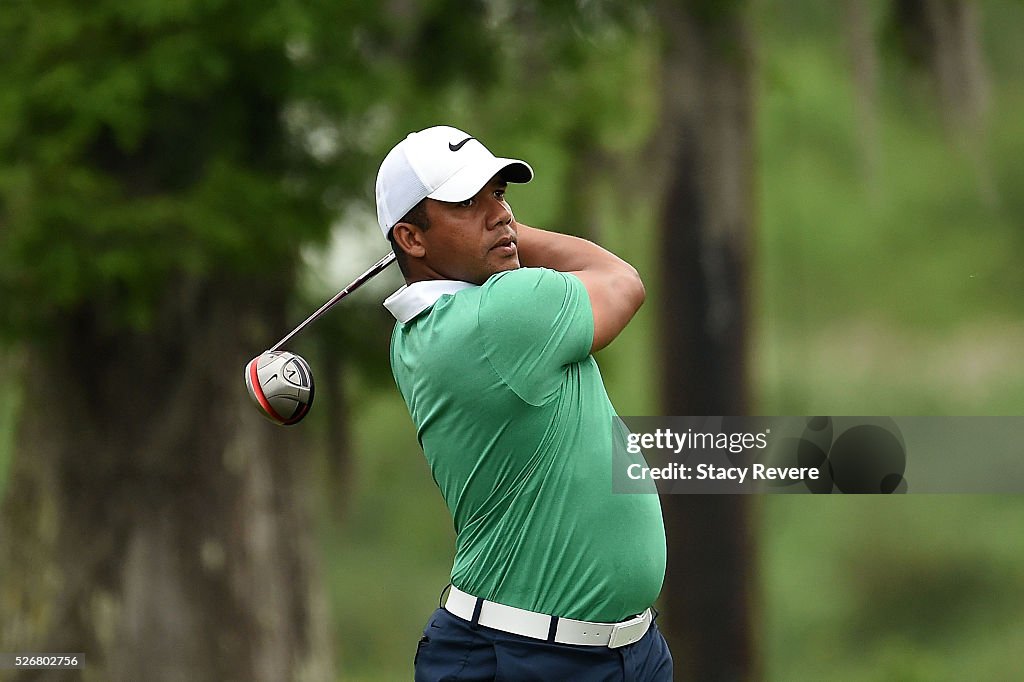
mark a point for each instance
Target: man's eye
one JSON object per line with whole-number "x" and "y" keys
{"x": 500, "y": 195}
{"x": 466, "y": 203}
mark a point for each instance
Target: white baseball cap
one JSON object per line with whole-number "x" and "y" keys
{"x": 442, "y": 163}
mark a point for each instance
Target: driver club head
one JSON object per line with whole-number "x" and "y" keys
{"x": 281, "y": 385}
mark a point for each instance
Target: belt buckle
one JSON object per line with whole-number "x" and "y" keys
{"x": 629, "y": 631}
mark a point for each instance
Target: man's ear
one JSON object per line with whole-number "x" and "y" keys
{"x": 409, "y": 238}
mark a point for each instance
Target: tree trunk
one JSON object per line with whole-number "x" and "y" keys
{"x": 863, "y": 51}
{"x": 338, "y": 431}
{"x": 153, "y": 521}
{"x": 707, "y": 221}
{"x": 580, "y": 212}
{"x": 944, "y": 37}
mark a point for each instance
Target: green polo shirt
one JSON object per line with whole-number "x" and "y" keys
{"x": 517, "y": 428}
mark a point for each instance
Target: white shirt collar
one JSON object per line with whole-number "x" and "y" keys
{"x": 413, "y": 299}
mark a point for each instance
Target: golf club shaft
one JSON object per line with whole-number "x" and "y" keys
{"x": 359, "y": 281}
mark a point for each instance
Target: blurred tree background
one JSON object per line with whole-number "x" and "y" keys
{"x": 824, "y": 199}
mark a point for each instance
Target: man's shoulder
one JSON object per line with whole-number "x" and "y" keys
{"x": 523, "y": 275}
{"x": 526, "y": 282}
{"x": 538, "y": 312}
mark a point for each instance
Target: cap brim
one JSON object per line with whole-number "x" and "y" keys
{"x": 468, "y": 181}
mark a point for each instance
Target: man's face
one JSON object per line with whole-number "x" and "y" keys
{"x": 473, "y": 239}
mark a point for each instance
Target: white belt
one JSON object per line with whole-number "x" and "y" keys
{"x": 540, "y": 626}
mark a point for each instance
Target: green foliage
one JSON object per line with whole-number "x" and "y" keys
{"x": 887, "y": 292}
{"x": 142, "y": 142}
{"x": 909, "y": 588}
{"x": 145, "y": 142}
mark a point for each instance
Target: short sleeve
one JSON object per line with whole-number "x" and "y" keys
{"x": 535, "y": 323}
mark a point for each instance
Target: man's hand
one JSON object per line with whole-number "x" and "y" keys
{"x": 614, "y": 286}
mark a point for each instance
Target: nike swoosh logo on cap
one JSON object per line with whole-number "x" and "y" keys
{"x": 457, "y": 147}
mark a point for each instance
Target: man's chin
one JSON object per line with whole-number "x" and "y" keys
{"x": 504, "y": 265}
{"x": 508, "y": 264}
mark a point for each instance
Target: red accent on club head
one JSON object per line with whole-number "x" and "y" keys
{"x": 257, "y": 391}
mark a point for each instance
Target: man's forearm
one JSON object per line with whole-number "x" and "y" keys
{"x": 613, "y": 285}
{"x": 562, "y": 252}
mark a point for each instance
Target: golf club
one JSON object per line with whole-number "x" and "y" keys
{"x": 359, "y": 281}
{"x": 280, "y": 382}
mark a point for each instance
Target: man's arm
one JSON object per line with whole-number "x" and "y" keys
{"x": 614, "y": 286}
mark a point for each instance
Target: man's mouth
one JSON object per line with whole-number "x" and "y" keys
{"x": 505, "y": 246}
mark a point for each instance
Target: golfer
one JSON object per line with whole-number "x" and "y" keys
{"x": 554, "y": 575}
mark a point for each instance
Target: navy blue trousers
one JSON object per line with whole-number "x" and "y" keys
{"x": 452, "y": 649}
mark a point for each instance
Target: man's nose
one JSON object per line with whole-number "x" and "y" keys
{"x": 501, "y": 213}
